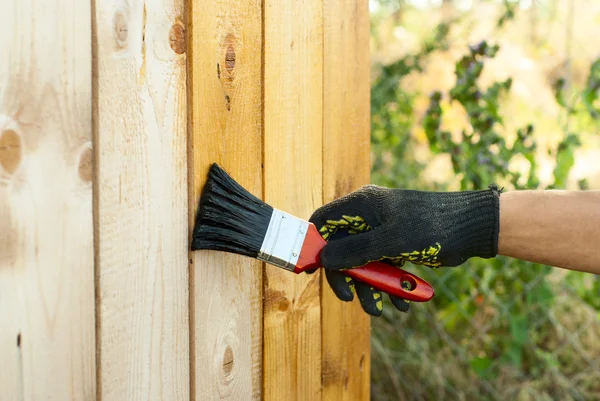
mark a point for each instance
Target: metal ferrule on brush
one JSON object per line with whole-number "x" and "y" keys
{"x": 283, "y": 240}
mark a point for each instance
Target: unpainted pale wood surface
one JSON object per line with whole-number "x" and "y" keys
{"x": 226, "y": 127}
{"x": 346, "y": 153}
{"x": 47, "y": 346}
{"x": 293, "y": 117}
{"x": 142, "y": 210}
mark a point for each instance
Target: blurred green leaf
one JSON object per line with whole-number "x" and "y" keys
{"x": 514, "y": 354}
{"x": 518, "y": 329}
{"x": 481, "y": 366}
{"x": 565, "y": 159}
{"x": 541, "y": 293}
{"x": 591, "y": 94}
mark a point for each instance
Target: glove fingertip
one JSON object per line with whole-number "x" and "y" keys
{"x": 374, "y": 311}
{"x": 341, "y": 284}
{"x": 346, "y": 295}
{"x": 370, "y": 299}
{"x": 400, "y": 304}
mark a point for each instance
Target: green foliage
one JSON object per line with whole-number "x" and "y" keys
{"x": 515, "y": 297}
{"x": 565, "y": 159}
{"x": 591, "y": 94}
{"x": 392, "y": 112}
{"x": 586, "y": 287}
{"x": 483, "y": 154}
{"x": 509, "y": 13}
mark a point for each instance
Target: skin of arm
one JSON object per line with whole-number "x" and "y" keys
{"x": 556, "y": 228}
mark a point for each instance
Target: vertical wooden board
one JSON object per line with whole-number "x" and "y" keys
{"x": 142, "y": 210}
{"x": 226, "y": 127}
{"x": 346, "y": 166}
{"x": 46, "y": 218}
{"x": 293, "y": 119}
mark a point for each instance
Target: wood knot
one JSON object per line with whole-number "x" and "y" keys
{"x": 19, "y": 340}
{"x": 230, "y": 59}
{"x": 177, "y": 38}
{"x": 276, "y": 299}
{"x": 86, "y": 160}
{"x": 121, "y": 30}
{"x": 228, "y": 361}
{"x": 10, "y": 151}
{"x": 228, "y": 48}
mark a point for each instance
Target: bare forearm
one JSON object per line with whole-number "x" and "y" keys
{"x": 557, "y": 228}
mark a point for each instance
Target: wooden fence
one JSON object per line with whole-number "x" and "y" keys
{"x": 110, "y": 113}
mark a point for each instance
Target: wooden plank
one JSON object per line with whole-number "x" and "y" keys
{"x": 47, "y": 345}
{"x": 293, "y": 119}
{"x": 346, "y": 165}
{"x": 226, "y": 108}
{"x": 142, "y": 209}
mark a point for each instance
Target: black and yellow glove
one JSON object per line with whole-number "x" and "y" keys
{"x": 433, "y": 229}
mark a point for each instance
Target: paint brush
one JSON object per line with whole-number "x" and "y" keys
{"x": 231, "y": 219}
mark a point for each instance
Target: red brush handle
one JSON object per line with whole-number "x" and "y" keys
{"x": 380, "y": 276}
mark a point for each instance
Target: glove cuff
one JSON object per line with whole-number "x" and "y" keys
{"x": 477, "y": 223}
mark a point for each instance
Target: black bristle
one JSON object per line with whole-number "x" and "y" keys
{"x": 229, "y": 217}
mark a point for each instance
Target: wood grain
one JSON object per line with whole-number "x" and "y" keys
{"x": 346, "y": 164}
{"x": 142, "y": 209}
{"x": 226, "y": 127}
{"x": 293, "y": 80}
{"x": 47, "y": 345}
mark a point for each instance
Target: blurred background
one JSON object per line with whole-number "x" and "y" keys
{"x": 471, "y": 92}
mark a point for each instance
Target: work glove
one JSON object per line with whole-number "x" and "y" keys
{"x": 396, "y": 226}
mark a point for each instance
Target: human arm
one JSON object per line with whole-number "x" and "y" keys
{"x": 556, "y": 228}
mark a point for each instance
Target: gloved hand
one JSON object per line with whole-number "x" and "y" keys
{"x": 433, "y": 229}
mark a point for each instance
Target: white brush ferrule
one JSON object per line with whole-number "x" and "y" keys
{"x": 283, "y": 240}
